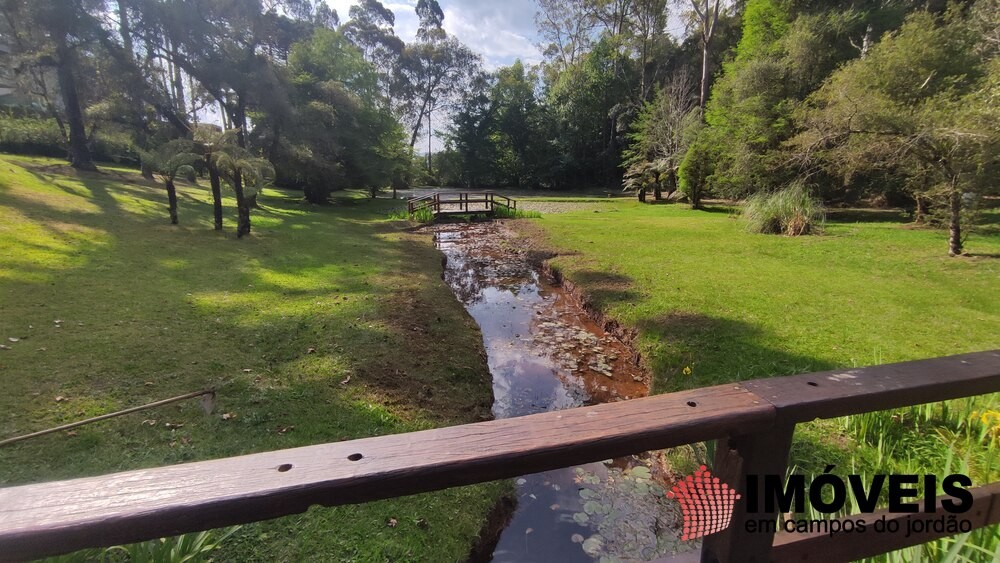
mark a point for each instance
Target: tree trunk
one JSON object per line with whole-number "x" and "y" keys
{"x": 213, "y": 176}
{"x": 242, "y": 202}
{"x": 79, "y": 153}
{"x": 242, "y": 208}
{"x": 172, "y": 201}
{"x": 125, "y": 28}
{"x": 657, "y": 192}
{"x": 642, "y": 195}
{"x": 955, "y": 227}
{"x": 923, "y": 208}
{"x": 704, "y": 75}
{"x": 430, "y": 169}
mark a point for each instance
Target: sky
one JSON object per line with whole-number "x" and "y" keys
{"x": 499, "y": 30}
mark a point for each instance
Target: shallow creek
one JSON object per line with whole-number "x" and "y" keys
{"x": 545, "y": 354}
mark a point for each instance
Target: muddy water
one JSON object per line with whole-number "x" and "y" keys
{"x": 546, "y": 354}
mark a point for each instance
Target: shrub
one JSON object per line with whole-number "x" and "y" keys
{"x": 40, "y": 136}
{"x": 421, "y": 215}
{"x": 504, "y": 212}
{"x": 694, "y": 171}
{"x": 791, "y": 211}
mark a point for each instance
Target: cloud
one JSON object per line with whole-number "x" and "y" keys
{"x": 500, "y": 31}
{"x": 496, "y": 31}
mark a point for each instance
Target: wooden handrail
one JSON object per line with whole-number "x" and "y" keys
{"x": 436, "y": 200}
{"x": 49, "y": 518}
{"x": 985, "y": 511}
{"x": 755, "y": 417}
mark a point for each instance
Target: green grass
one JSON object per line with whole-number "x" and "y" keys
{"x": 504, "y": 212}
{"x": 704, "y": 294}
{"x": 732, "y": 305}
{"x": 327, "y": 323}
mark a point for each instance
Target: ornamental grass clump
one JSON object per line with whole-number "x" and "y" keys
{"x": 791, "y": 211}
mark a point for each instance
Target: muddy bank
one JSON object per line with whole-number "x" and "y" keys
{"x": 546, "y": 352}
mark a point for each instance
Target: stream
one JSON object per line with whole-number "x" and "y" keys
{"x": 545, "y": 353}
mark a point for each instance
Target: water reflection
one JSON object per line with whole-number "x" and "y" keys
{"x": 546, "y": 354}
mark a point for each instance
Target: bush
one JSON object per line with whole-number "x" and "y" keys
{"x": 40, "y": 136}
{"x": 692, "y": 176}
{"x": 504, "y": 212}
{"x": 791, "y": 211}
{"x": 31, "y": 136}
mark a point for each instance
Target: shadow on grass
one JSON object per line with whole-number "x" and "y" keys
{"x": 720, "y": 209}
{"x": 687, "y": 350}
{"x": 342, "y": 331}
{"x": 606, "y": 288}
{"x": 868, "y": 216}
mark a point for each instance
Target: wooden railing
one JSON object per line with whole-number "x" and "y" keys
{"x": 443, "y": 203}
{"x": 753, "y": 421}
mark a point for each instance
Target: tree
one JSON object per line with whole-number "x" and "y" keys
{"x": 650, "y": 42}
{"x": 371, "y": 29}
{"x": 922, "y": 103}
{"x": 340, "y": 132}
{"x": 239, "y": 168}
{"x": 707, "y": 14}
{"x": 591, "y": 118}
{"x": 471, "y": 136}
{"x": 518, "y": 133}
{"x": 209, "y": 141}
{"x": 661, "y": 135}
{"x": 432, "y": 70}
{"x": 568, "y": 26}
{"x": 49, "y": 32}
{"x": 168, "y": 161}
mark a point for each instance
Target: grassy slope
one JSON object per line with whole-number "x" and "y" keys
{"x": 731, "y": 305}
{"x": 151, "y": 310}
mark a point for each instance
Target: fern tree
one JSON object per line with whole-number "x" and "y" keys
{"x": 209, "y": 143}
{"x": 245, "y": 173}
{"x": 168, "y": 161}
{"x": 660, "y": 137}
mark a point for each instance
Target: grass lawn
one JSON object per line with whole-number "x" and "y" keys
{"x": 326, "y": 324}
{"x": 731, "y": 305}
{"x": 712, "y": 303}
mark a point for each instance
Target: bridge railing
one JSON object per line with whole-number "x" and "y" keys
{"x": 753, "y": 421}
{"x": 445, "y": 202}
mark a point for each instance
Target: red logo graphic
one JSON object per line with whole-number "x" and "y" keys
{"x": 707, "y": 504}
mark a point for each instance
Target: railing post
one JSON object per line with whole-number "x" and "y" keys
{"x": 762, "y": 453}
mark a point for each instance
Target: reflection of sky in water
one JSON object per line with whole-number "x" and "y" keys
{"x": 505, "y": 296}
{"x": 525, "y": 378}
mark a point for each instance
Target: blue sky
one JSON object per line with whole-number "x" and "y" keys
{"x": 499, "y": 30}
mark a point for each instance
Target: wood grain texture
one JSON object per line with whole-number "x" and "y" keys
{"x": 63, "y": 516}
{"x": 761, "y": 453}
{"x": 59, "y": 517}
{"x": 828, "y": 394}
{"x": 849, "y": 547}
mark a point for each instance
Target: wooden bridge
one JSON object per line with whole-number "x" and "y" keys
{"x": 446, "y": 203}
{"x": 753, "y": 422}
